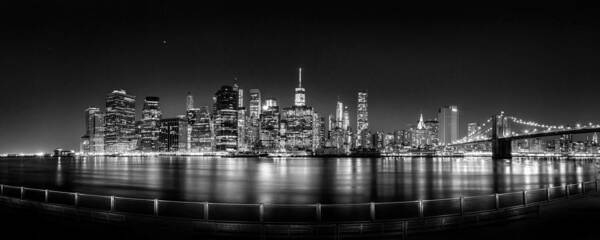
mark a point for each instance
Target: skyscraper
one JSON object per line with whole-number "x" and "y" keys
{"x": 269, "y": 125}
{"x": 299, "y": 97}
{"x": 93, "y": 139}
{"x": 150, "y": 129}
{"x": 420, "y": 135}
{"x": 254, "y": 103}
{"x": 330, "y": 123}
{"x": 226, "y": 119}
{"x": 173, "y": 131}
{"x": 346, "y": 119}
{"x": 339, "y": 114}
{"x": 254, "y": 117}
{"x": 448, "y": 119}
{"x": 362, "y": 119}
{"x": 119, "y": 133}
{"x": 192, "y": 138}
{"x": 433, "y": 129}
{"x": 298, "y": 121}
{"x": 202, "y": 130}
{"x": 242, "y": 140}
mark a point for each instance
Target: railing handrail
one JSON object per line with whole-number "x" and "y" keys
{"x": 303, "y": 204}
{"x": 318, "y": 215}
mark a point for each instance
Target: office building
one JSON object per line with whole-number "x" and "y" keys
{"x": 226, "y": 119}
{"x": 172, "y": 130}
{"x": 119, "y": 135}
{"x": 269, "y": 125}
{"x": 93, "y": 139}
{"x": 448, "y": 120}
{"x": 298, "y": 121}
{"x": 150, "y": 127}
{"x": 253, "y": 128}
{"x": 362, "y": 119}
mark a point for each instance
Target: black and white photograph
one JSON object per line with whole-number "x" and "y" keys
{"x": 298, "y": 120}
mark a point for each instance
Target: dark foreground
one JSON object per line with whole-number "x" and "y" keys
{"x": 568, "y": 218}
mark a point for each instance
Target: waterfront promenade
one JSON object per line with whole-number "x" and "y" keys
{"x": 572, "y": 215}
{"x": 574, "y": 218}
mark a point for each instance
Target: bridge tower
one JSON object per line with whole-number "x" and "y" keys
{"x": 501, "y": 146}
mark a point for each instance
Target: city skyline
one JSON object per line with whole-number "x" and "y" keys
{"x": 410, "y": 62}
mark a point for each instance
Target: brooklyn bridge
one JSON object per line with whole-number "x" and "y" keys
{"x": 502, "y": 130}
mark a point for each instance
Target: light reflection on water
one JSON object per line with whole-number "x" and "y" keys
{"x": 294, "y": 180}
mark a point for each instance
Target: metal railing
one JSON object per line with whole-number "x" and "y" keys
{"x": 302, "y": 213}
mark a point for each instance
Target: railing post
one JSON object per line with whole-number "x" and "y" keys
{"x": 206, "y": 211}
{"x": 46, "y": 195}
{"x": 567, "y": 190}
{"x": 372, "y": 208}
{"x": 462, "y": 204}
{"x": 2, "y": 189}
{"x": 404, "y": 230}
{"x": 497, "y": 201}
{"x": 421, "y": 215}
{"x": 76, "y": 200}
{"x": 22, "y": 192}
{"x": 318, "y": 208}
{"x": 582, "y": 188}
{"x": 261, "y": 211}
{"x": 524, "y": 197}
{"x": 155, "y": 207}
{"x": 112, "y": 203}
{"x": 548, "y": 194}
{"x": 596, "y": 185}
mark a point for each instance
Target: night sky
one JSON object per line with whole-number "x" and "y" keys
{"x": 56, "y": 59}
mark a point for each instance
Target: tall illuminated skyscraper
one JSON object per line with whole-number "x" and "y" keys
{"x": 300, "y": 92}
{"x": 119, "y": 135}
{"x": 339, "y": 114}
{"x": 203, "y": 129}
{"x": 226, "y": 119}
{"x": 269, "y": 125}
{"x": 150, "y": 129}
{"x": 448, "y": 120}
{"x": 242, "y": 140}
{"x": 330, "y": 123}
{"x": 346, "y": 119}
{"x": 173, "y": 132}
{"x": 93, "y": 139}
{"x": 298, "y": 121}
{"x": 362, "y": 119}
{"x": 254, "y": 105}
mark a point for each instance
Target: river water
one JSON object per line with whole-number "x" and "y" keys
{"x": 294, "y": 180}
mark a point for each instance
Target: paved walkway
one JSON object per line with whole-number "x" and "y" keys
{"x": 575, "y": 218}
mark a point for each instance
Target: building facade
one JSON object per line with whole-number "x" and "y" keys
{"x": 269, "y": 126}
{"x": 226, "y": 119}
{"x": 172, "y": 130}
{"x": 362, "y": 119}
{"x": 448, "y": 119}
{"x": 93, "y": 139}
{"x": 150, "y": 128}
{"x": 253, "y": 123}
{"x": 119, "y": 135}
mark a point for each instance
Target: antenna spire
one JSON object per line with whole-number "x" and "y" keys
{"x": 299, "y": 77}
